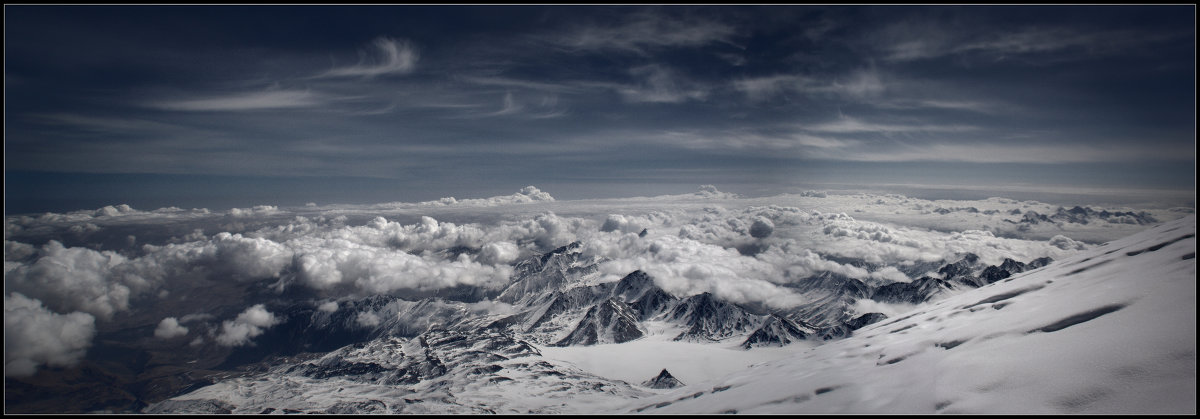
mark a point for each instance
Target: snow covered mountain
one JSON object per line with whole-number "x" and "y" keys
{"x": 437, "y": 372}
{"x": 1107, "y": 330}
{"x": 1112, "y": 330}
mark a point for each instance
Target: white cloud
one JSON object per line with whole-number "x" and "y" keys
{"x": 17, "y": 251}
{"x": 645, "y": 31}
{"x": 791, "y": 139}
{"x": 951, "y": 104}
{"x": 528, "y": 194}
{"x": 497, "y": 253}
{"x": 659, "y": 84}
{"x": 78, "y": 279}
{"x": 195, "y": 317}
{"x": 767, "y": 87}
{"x": 1065, "y": 243}
{"x": 248, "y": 325}
{"x": 984, "y": 152}
{"x": 258, "y": 210}
{"x": 860, "y": 85}
{"x": 762, "y": 228}
{"x": 367, "y": 319}
{"x": 921, "y": 40}
{"x": 169, "y": 328}
{"x": 270, "y": 99}
{"x": 848, "y": 125}
{"x": 249, "y": 258}
{"x": 386, "y": 56}
{"x": 328, "y": 306}
{"x": 35, "y": 336}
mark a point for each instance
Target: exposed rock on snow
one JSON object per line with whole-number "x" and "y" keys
{"x": 609, "y": 322}
{"x": 778, "y": 331}
{"x": 663, "y": 380}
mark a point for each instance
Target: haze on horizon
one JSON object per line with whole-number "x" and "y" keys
{"x": 233, "y": 106}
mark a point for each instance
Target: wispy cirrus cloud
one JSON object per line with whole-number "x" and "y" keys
{"x": 849, "y": 125}
{"x": 522, "y": 84}
{"x": 512, "y": 106}
{"x": 752, "y": 142}
{"x": 645, "y": 31}
{"x": 385, "y": 56}
{"x": 766, "y": 87}
{"x": 921, "y": 40}
{"x": 271, "y": 99}
{"x": 991, "y": 152}
{"x": 660, "y": 84}
{"x": 862, "y": 84}
{"x": 103, "y": 124}
{"x": 977, "y": 106}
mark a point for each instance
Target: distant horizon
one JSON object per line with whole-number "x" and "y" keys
{"x": 26, "y": 197}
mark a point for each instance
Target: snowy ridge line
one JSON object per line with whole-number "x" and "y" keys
{"x": 1114, "y": 336}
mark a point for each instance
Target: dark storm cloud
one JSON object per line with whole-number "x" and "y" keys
{"x": 391, "y": 93}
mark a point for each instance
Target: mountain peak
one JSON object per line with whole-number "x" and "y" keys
{"x": 663, "y": 380}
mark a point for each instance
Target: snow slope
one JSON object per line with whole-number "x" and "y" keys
{"x": 1109, "y": 330}
{"x": 639, "y": 360}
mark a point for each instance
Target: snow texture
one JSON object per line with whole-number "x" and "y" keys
{"x": 1111, "y": 330}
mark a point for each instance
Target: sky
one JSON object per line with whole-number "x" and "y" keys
{"x": 227, "y": 106}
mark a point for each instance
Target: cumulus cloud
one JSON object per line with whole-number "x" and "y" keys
{"x": 35, "y": 336}
{"x": 258, "y": 210}
{"x": 17, "y": 251}
{"x": 330, "y": 264}
{"x": 248, "y": 325}
{"x": 78, "y": 279}
{"x": 1065, "y": 243}
{"x": 497, "y": 253}
{"x": 169, "y": 328}
{"x": 528, "y": 194}
{"x": 684, "y": 267}
{"x": 619, "y": 222}
{"x": 249, "y": 257}
{"x": 711, "y": 191}
{"x": 762, "y": 228}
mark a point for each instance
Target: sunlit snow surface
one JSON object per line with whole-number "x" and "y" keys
{"x": 1111, "y": 330}
{"x": 689, "y": 362}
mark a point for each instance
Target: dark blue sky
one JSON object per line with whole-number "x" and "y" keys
{"x": 219, "y": 106}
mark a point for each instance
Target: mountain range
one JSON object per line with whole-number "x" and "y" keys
{"x": 981, "y": 339}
